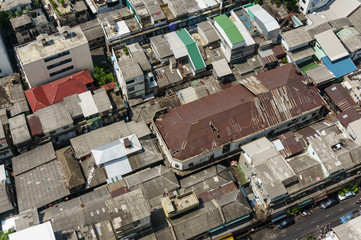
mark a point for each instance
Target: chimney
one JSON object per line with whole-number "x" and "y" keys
{"x": 127, "y": 143}
{"x": 43, "y": 41}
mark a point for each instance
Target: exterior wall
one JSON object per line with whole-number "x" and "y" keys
{"x": 127, "y": 88}
{"x": 356, "y": 55}
{"x": 5, "y": 66}
{"x": 36, "y": 72}
{"x": 269, "y": 35}
{"x": 350, "y": 87}
{"x": 235, "y": 146}
{"x": 308, "y": 6}
{"x": 132, "y": 228}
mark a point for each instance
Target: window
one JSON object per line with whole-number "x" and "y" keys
{"x": 304, "y": 1}
{"x": 130, "y": 81}
{"x": 61, "y": 71}
{"x": 301, "y": 9}
{"x": 56, "y": 56}
{"x": 58, "y": 63}
{"x": 131, "y": 89}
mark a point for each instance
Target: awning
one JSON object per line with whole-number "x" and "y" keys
{"x": 306, "y": 203}
{"x": 279, "y": 218}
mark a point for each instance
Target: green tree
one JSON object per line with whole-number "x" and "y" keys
{"x": 5, "y": 235}
{"x": 102, "y": 75}
{"x": 290, "y": 4}
{"x": 4, "y": 20}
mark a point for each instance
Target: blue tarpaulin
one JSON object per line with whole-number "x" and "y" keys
{"x": 173, "y": 26}
{"x": 339, "y": 67}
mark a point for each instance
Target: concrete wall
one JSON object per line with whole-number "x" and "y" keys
{"x": 36, "y": 72}
{"x": 308, "y": 6}
{"x": 5, "y": 65}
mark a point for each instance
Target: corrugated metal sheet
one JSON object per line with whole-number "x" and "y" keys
{"x": 235, "y": 113}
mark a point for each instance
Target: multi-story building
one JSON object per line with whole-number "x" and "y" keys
{"x": 5, "y": 65}
{"x": 267, "y": 25}
{"x": 52, "y": 57}
{"x": 236, "y": 42}
{"x": 196, "y": 133}
{"x": 308, "y": 6}
{"x": 67, "y": 13}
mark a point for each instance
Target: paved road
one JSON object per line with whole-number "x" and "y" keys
{"x": 310, "y": 223}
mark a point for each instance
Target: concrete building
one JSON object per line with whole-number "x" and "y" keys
{"x": 41, "y": 231}
{"x": 309, "y": 6}
{"x": 5, "y": 65}
{"x": 15, "y": 5}
{"x": 196, "y": 132}
{"x": 296, "y": 42}
{"x": 55, "y": 56}
{"x": 131, "y": 79}
{"x": 7, "y": 195}
{"x": 266, "y": 24}
{"x": 236, "y": 42}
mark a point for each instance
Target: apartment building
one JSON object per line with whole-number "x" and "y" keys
{"x": 51, "y": 57}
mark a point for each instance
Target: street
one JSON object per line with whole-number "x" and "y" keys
{"x": 310, "y": 223}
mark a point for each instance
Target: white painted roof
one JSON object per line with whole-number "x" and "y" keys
{"x": 122, "y": 28}
{"x": 87, "y": 104}
{"x": 261, "y": 14}
{"x": 331, "y": 45}
{"x": 7, "y": 224}
{"x": 176, "y": 44}
{"x": 116, "y": 150}
{"x": 2, "y": 173}
{"x": 42, "y": 231}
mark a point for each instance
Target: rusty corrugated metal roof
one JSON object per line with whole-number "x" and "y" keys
{"x": 291, "y": 144}
{"x": 218, "y": 192}
{"x": 235, "y": 113}
{"x": 340, "y": 96}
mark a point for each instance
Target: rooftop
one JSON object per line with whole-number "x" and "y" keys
{"x": 57, "y": 43}
{"x": 353, "y": 43}
{"x": 10, "y": 4}
{"x": 33, "y": 158}
{"x": 54, "y": 117}
{"x": 19, "y": 129}
{"x": 320, "y": 74}
{"x": 130, "y": 69}
{"x": 128, "y": 208}
{"x": 83, "y": 144}
{"x": 155, "y": 182}
{"x": 338, "y": 94}
{"x": 177, "y": 204}
{"x": 206, "y": 180}
{"x": 40, "y": 186}
{"x": 53, "y": 92}
{"x": 230, "y": 29}
{"x": 20, "y": 21}
{"x": 221, "y": 68}
{"x": 339, "y": 67}
{"x": 39, "y": 232}
{"x": 26, "y": 219}
{"x": 208, "y": 32}
{"x": 296, "y": 37}
{"x": 331, "y": 45}
{"x": 5, "y": 203}
{"x": 349, "y": 230}
{"x": 264, "y": 16}
{"x": 186, "y": 129}
{"x": 161, "y": 46}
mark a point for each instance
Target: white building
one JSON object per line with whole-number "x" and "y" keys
{"x": 308, "y": 6}
{"x": 5, "y": 67}
{"x": 131, "y": 78}
{"x": 52, "y": 57}
{"x": 236, "y": 42}
{"x": 42, "y": 231}
{"x": 266, "y": 24}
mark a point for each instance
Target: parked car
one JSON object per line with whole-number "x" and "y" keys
{"x": 345, "y": 196}
{"x": 328, "y": 203}
{"x": 286, "y": 222}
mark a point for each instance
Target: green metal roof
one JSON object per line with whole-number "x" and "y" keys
{"x": 192, "y": 49}
{"x": 230, "y": 29}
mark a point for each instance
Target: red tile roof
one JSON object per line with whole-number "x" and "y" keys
{"x": 108, "y": 86}
{"x": 56, "y": 91}
{"x": 234, "y": 113}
